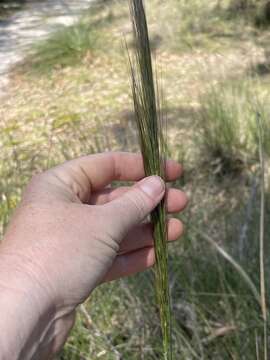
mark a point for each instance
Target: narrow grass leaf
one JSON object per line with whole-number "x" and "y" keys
{"x": 146, "y": 98}
{"x": 262, "y": 220}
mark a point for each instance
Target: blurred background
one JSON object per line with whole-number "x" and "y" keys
{"x": 65, "y": 92}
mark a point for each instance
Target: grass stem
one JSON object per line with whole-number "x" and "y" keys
{"x": 262, "y": 220}
{"x": 146, "y": 98}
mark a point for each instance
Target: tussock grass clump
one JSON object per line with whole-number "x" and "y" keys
{"x": 64, "y": 47}
{"x": 93, "y": 35}
{"x": 148, "y": 118}
{"x": 256, "y": 12}
{"x": 71, "y": 45}
{"x": 229, "y": 130}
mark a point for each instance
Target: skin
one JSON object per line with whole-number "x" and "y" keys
{"x": 71, "y": 232}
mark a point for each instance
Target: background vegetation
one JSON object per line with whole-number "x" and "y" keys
{"x": 70, "y": 97}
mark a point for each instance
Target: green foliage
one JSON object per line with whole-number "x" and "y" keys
{"x": 74, "y": 44}
{"x": 194, "y": 17}
{"x": 228, "y": 122}
{"x": 147, "y": 116}
{"x": 195, "y": 25}
{"x": 257, "y": 12}
{"x": 262, "y": 15}
{"x": 65, "y": 47}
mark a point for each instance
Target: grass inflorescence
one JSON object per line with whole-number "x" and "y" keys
{"x": 149, "y": 123}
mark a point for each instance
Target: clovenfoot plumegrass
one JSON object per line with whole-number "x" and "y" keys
{"x": 150, "y": 130}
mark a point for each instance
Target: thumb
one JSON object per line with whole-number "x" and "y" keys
{"x": 133, "y": 206}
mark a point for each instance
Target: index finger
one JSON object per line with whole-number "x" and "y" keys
{"x": 94, "y": 172}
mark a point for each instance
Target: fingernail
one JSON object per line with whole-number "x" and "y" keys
{"x": 153, "y": 186}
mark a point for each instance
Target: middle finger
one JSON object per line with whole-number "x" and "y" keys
{"x": 176, "y": 200}
{"x": 142, "y": 236}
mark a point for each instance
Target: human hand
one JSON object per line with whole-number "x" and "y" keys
{"x": 72, "y": 232}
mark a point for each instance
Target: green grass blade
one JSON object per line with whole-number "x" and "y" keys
{"x": 149, "y": 123}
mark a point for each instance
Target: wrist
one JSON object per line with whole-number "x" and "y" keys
{"x": 27, "y": 313}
